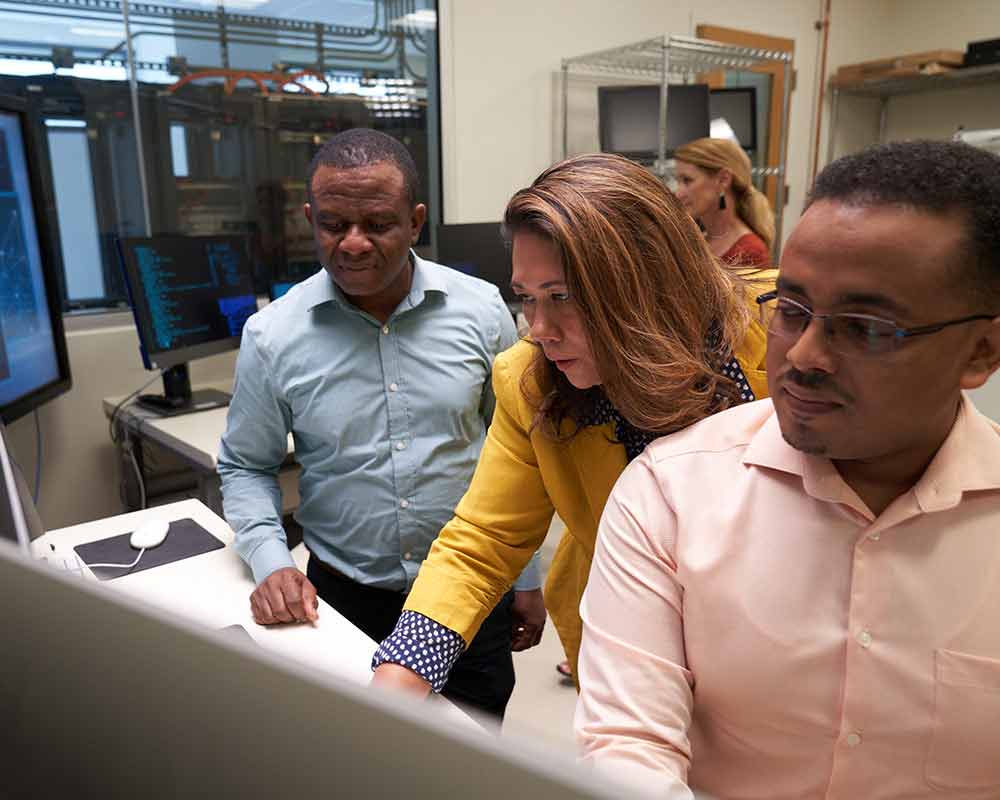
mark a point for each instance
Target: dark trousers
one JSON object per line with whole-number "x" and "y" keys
{"x": 483, "y": 676}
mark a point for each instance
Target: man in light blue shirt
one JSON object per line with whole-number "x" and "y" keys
{"x": 379, "y": 366}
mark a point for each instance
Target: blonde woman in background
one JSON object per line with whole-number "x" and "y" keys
{"x": 713, "y": 184}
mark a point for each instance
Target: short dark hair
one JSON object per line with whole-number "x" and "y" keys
{"x": 364, "y": 147}
{"x": 938, "y": 177}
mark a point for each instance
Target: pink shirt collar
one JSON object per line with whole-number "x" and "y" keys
{"x": 968, "y": 461}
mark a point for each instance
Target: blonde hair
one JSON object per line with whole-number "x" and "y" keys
{"x": 752, "y": 207}
{"x": 649, "y": 291}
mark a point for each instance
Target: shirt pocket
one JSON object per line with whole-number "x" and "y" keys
{"x": 964, "y": 752}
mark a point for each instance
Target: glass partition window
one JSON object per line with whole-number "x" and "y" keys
{"x": 230, "y": 103}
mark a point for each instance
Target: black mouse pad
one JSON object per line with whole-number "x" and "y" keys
{"x": 185, "y": 538}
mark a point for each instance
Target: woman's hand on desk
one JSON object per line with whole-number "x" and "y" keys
{"x": 286, "y": 595}
{"x": 399, "y": 678}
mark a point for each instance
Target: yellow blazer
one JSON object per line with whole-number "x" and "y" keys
{"x": 521, "y": 479}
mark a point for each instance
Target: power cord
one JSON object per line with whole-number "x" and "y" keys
{"x": 126, "y": 444}
{"x": 130, "y": 451}
{"x": 112, "y": 430}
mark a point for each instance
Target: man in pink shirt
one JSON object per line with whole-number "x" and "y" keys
{"x": 800, "y": 597}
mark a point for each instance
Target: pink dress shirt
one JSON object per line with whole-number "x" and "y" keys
{"x": 752, "y": 630}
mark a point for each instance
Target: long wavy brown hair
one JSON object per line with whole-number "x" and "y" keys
{"x": 650, "y": 292}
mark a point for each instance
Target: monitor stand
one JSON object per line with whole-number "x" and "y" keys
{"x": 177, "y": 397}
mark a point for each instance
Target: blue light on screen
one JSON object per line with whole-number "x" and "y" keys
{"x": 28, "y": 360}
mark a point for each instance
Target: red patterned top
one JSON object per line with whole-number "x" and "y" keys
{"x": 748, "y": 251}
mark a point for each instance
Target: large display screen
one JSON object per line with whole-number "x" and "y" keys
{"x": 31, "y": 345}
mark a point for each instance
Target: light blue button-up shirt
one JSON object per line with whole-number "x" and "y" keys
{"x": 387, "y": 419}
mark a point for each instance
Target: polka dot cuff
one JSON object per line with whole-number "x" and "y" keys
{"x": 423, "y": 645}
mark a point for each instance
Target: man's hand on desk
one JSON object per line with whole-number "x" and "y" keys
{"x": 286, "y": 595}
{"x": 399, "y": 678}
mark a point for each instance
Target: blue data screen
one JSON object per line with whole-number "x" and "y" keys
{"x": 191, "y": 290}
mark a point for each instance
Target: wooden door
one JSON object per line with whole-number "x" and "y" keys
{"x": 775, "y": 70}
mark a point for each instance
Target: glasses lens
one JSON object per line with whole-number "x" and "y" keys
{"x": 786, "y": 318}
{"x": 856, "y": 333}
{"x": 848, "y": 334}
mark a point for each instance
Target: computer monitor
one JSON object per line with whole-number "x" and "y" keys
{"x": 737, "y": 105}
{"x": 104, "y": 696}
{"x": 191, "y": 296}
{"x": 34, "y": 366}
{"x": 629, "y": 118}
{"x": 293, "y": 272}
{"x": 479, "y": 250}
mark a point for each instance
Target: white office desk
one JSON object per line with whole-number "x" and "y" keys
{"x": 214, "y": 588}
{"x": 195, "y": 438}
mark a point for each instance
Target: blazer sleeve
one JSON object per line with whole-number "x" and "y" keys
{"x": 498, "y": 525}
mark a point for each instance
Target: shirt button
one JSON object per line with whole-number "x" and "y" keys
{"x": 865, "y": 639}
{"x": 393, "y": 387}
{"x": 853, "y": 739}
{"x": 404, "y": 503}
{"x": 400, "y": 445}
{"x": 875, "y": 536}
{"x": 385, "y": 329}
{"x": 407, "y": 555}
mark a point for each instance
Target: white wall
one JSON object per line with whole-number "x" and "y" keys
{"x": 498, "y": 68}
{"x": 499, "y": 72}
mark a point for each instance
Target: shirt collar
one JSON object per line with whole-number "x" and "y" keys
{"x": 967, "y": 461}
{"x": 426, "y": 279}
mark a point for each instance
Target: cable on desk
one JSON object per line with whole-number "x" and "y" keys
{"x": 38, "y": 458}
{"x": 119, "y": 566}
{"x": 121, "y": 403}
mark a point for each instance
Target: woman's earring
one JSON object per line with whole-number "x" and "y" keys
{"x": 722, "y": 202}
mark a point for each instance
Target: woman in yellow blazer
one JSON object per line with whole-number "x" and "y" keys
{"x": 636, "y": 331}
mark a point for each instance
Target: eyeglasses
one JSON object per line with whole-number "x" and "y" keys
{"x": 847, "y": 334}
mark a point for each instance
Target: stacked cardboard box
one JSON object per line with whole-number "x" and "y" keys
{"x": 933, "y": 62}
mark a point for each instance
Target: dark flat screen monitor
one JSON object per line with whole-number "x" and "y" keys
{"x": 738, "y": 106}
{"x": 479, "y": 250}
{"x": 629, "y": 118}
{"x": 191, "y": 296}
{"x": 34, "y": 367}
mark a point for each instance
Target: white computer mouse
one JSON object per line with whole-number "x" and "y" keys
{"x": 150, "y": 534}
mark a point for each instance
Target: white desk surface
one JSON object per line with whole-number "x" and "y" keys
{"x": 195, "y": 436}
{"x": 214, "y": 588}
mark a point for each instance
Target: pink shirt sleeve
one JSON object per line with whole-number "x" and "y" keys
{"x": 635, "y": 703}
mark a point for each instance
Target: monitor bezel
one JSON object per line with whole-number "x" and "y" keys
{"x": 154, "y": 359}
{"x": 752, "y": 92}
{"x": 47, "y": 233}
